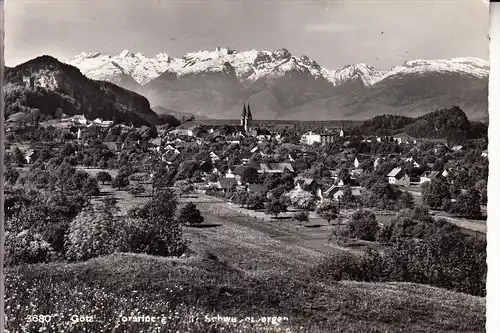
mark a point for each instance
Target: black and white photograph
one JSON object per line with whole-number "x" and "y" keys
{"x": 245, "y": 166}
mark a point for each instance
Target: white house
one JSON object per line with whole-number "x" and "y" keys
{"x": 356, "y": 163}
{"x": 310, "y": 138}
{"x": 230, "y": 173}
{"x": 30, "y": 155}
{"x": 214, "y": 157}
{"x": 484, "y": 153}
{"x": 398, "y": 177}
{"x": 356, "y": 192}
{"x": 428, "y": 176}
{"x": 79, "y": 119}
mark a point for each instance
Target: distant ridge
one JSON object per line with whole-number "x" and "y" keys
{"x": 282, "y": 86}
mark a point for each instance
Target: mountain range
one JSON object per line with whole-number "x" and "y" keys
{"x": 278, "y": 85}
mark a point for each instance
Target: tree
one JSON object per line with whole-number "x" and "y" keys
{"x": 363, "y": 225}
{"x": 187, "y": 169}
{"x": 328, "y": 210}
{"x": 302, "y": 199}
{"x": 91, "y": 187}
{"x": 162, "y": 178}
{"x": 120, "y": 182}
{"x": 25, "y": 247}
{"x": 18, "y": 156}
{"x": 275, "y": 207}
{"x": 469, "y": 203}
{"x": 94, "y": 232}
{"x": 301, "y": 217}
{"x": 153, "y": 228}
{"x": 126, "y": 170}
{"x": 11, "y": 175}
{"x": 137, "y": 190}
{"x": 434, "y": 193}
{"x": 241, "y": 197}
{"x": 189, "y": 214}
{"x": 249, "y": 175}
{"x": 256, "y": 201}
{"x": 104, "y": 177}
{"x": 405, "y": 201}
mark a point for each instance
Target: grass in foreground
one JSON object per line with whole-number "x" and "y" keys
{"x": 249, "y": 275}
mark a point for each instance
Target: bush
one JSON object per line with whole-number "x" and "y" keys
{"x": 137, "y": 190}
{"x": 120, "y": 182}
{"x": 94, "y": 232}
{"x": 301, "y": 217}
{"x": 190, "y": 214}
{"x": 151, "y": 237}
{"x": 26, "y": 247}
{"x": 338, "y": 266}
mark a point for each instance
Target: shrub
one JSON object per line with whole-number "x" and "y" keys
{"x": 338, "y": 266}
{"x": 190, "y": 214}
{"x": 302, "y": 217}
{"x": 26, "y": 247}
{"x": 94, "y": 232}
{"x": 154, "y": 238}
{"x": 120, "y": 182}
{"x": 137, "y": 190}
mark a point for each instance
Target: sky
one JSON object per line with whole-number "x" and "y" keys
{"x": 334, "y": 33}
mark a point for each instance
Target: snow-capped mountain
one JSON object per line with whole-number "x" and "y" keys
{"x": 98, "y": 66}
{"x": 250, "y": 66}
{"x": 466, "y": 66}
{"x": 214, "y": 83}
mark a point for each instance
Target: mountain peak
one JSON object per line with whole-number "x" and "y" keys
{"x": 125, "y": 53}
{"x": 254, "y": 65}
{"x": 282, "y": 54}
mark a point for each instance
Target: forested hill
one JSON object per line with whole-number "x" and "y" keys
{"x": 48, "y": 88}
{"x": 451, "y": 124}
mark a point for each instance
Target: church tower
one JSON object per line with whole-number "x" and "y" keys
{"x": 248, "y": 119}
{"x": 244, "y": 116}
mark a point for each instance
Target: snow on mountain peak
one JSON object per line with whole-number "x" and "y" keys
{"x": 126, "y": 53}
{"x": 252, "y": 65}
{"x": 465, "y": 65}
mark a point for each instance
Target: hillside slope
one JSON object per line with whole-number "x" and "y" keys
{"x": 49, "y": 87}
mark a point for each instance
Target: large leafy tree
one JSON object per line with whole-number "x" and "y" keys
{"x": 363, "y": 225}
{"x": 328, "y": 210}
{"x": 275, "y": 207}
{"x": 154, "y": 228}
{"x": 435, "y": 192}
{"x": 120, "y": 181}
{"x": 104, "y": 177}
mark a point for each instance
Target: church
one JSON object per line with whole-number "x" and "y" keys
{"x": 246, "y": 118}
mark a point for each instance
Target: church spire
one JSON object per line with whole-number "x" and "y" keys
{"x": 243, "y": 115}
{"x": 249, "y": 114}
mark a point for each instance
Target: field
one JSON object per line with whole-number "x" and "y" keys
{"x": 247, "y": 274}
{"x": 241, "y": 266}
